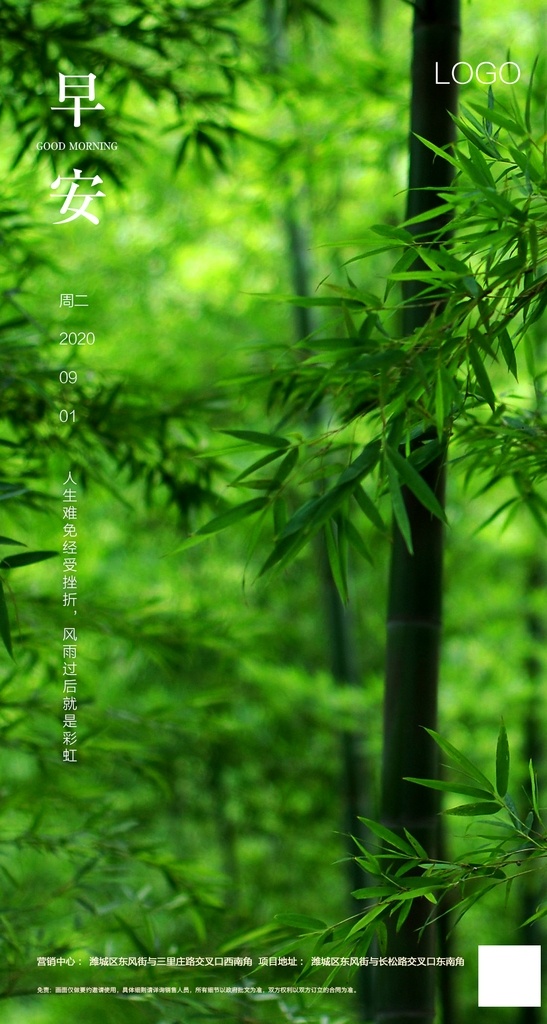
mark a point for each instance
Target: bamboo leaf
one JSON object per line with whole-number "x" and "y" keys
{"x": 513, "y": 812}
{"x": 256, "y": 437}
{"x": 459, "y": 788}
{"x": 420, "y": 890}
{"x": 5, "y": 631}
{"x": 508, "y": 351}
{"x": 502, "y": 120}
{"x": 529, "y": 822}
{"x": 361, "y": 466}
{"x": 287, "y": 465}
{"x": 388, "y": 836}
{"x": 367, "y": 861}
{"x": 540, "y": 912}
{"x": 248, "y": 937}
{"x": 380, "y": 930}
{"x": 335, "y": 561}
{"x": 191, "y": 542}
{"x": 416, "y": 845}
{"x": 368, "y": 507}
{"x": 398, "y": 505}
{"x": 263, "y": 461}
{"x": 482, "y": 167}
{"x": 349, "y": 324}
{"x": 233, "y": 515}
{"x": 371, "y": 915}
{"x": 439, "y": 152}
{"x": 356, "y": 541}
{"x": 481, "y": 339}
{"x": 481, "y": 375}
{"x": 508, "y": 887}
{"x": 28, "y": 558}
{"x": 391, "y": 231}
{"x": 529, "y": 93}
{"x": 436, "y": 211}
{"x": 472, "y": 810}
{"x": 469, "y": 901}
{"x": 301, "y": 921}
{"x": 403, "y": 914}
{"x": 254, "y": 535}
{"x": 440, "y": 409}
{"x": 286, "y": 548}
{"x": 370, "y": 864}
{"x": 306, "y": 301}
{"x": 534, "y": 786}
{"x": 463, "y": 763}
{"x": 315, "y": 512}
{"x": 477, "y": 140}
{"x": 279, "y": 515}
{"x": 374, "y": 892}
{"x": 419, "y": 884}
{"x": 502, "y": 762}
{"x": 416, "y": 483}
{"x": 432, "y": 277}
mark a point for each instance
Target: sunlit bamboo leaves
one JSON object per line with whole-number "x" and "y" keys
{"x": 502, "y": 762}
{"x": 5, "y": 631}
{"x": 401, "y": 870}
{"x": 447, "y": 373}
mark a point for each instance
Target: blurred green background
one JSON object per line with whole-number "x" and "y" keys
{"x": 210, "y": 792}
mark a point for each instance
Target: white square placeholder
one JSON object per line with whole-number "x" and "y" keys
{"x": 509, "y": 976}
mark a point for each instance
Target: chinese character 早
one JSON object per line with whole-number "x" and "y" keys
{"x": 77, "y": 88}
{"x": 85, "y": 197}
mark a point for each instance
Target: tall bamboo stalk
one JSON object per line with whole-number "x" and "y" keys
{"x": 406, "y": 995}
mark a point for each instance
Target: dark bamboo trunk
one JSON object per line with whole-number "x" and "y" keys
{"x": 406, "y": 995}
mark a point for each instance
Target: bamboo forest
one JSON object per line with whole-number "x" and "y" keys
{"x": 273, "y": 573}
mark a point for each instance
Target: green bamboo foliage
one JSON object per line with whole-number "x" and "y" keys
{"x": 403, "y": 376}
{"x": 415, "y": 589}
